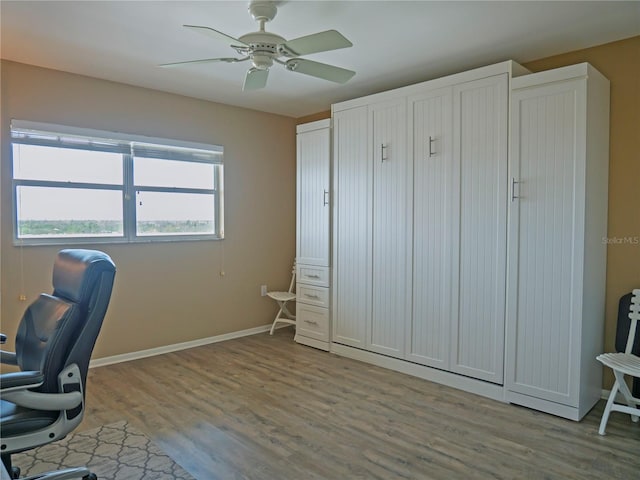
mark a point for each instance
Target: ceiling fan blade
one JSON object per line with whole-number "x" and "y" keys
{"x": 317, "y": 42}
{"x": 255, "y": 79}
{"x": 210, "y": 32}
{"x": 320, "y": 70}
{"x": 204, "y": 60}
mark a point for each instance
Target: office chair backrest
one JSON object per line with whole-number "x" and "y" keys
{"x": 61, "y": 329}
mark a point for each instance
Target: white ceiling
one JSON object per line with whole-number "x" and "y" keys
{"x": 396, "y": 43}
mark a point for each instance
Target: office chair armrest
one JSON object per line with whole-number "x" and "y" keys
{"x": 14, "y": 381}
{"x": 44, "y": 401}
{"x": 8, "y": 358}
{"x": 47, "y": 401}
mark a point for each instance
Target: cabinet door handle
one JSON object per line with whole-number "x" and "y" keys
{"x": 513, "y": 189}
{"x": 383, "y": 152}
{"x": 432, "y": 140}
{"x": 325, "y": 198}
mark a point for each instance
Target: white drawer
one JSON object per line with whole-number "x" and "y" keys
{"x": 312, "y": 322}
{"x": 318, "y": 296}
{"x": 312, "y": 275}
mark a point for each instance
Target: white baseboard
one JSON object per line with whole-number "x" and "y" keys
{"x": 605, "y": 394}
{"x": 125, "y": 357}
{"x": 619, "y": 396}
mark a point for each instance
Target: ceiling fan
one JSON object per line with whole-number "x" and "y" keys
{"x": 264, "y": 48}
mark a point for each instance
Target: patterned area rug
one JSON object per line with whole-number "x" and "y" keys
{"x": 113, "y": 452}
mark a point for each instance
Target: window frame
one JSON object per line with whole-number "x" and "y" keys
{"x": 120, "y": 142}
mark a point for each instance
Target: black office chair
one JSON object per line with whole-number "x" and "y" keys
{"x": 44, "y": 401}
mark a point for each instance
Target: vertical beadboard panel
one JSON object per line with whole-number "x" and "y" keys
{"x": 313, "y": 181}
{"x": 352, "y": 180}
{"x": 542, "y": 331}
{"x": 391, "y": 229}
{"x": 480, "y": 120}
{"x": 428, "y": 339}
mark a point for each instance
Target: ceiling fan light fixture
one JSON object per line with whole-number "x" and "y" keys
{"x": 262, "y": 62}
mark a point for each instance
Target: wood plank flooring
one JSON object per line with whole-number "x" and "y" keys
{"x": 264, "y": 407}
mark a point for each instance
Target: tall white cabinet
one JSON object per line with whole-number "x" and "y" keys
{"x": 313, "y": 227}
{"x": 459, "y": 140}
{"x": 419, "y": 241}
{"x": 372, "y": 198}
{"x": 468, "y": 218}
{"x": 557, "y": 256}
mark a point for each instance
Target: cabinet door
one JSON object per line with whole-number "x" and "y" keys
{"x": 313, "y": 197}
{"x": 430, "y": 131}
{"x": 391, "y": 228}
{"x": 352, "y": 180}
{"x": 480, "y": 207}
{"x": 545, "y": 260}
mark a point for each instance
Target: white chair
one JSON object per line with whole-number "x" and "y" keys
{"x": 624, "y": 364}
{"x": 284, "y": 315}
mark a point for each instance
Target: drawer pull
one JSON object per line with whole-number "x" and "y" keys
{"x": 312, "y": 322}
{"x": 312, "y": 276}
{"x": 312, "y": 296}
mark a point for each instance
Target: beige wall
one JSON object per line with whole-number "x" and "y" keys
{"x": 165, "y": 293}
{"x": 620, "y": 63}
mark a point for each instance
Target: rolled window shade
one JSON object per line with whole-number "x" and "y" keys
{"x": 177, "y": 153}
{"x": 35, "y": 133}
{"x": 53, "y": 139}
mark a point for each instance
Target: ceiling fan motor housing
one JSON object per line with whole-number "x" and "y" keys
{"x": 263, "y": 48}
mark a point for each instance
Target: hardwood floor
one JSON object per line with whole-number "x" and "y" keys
{"x": 264, "y": 407}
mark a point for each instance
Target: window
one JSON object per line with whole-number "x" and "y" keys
{"x": 88, "y": 186}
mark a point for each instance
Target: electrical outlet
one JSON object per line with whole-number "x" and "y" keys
{"x": 263, "y": 290}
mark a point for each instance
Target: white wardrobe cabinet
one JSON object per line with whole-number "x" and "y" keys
{"x": 557, "y": 259}
{"x": 371, "y": 228}
{"x": 460, "y": 263}
{"x": 313, "y": 223}
{"x": 419, "y": 241}
{"x": 459, "y": 141}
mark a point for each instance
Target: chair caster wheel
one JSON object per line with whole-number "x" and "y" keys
{"x": 91, "y": 476}
{"x": 15, "y": 472}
